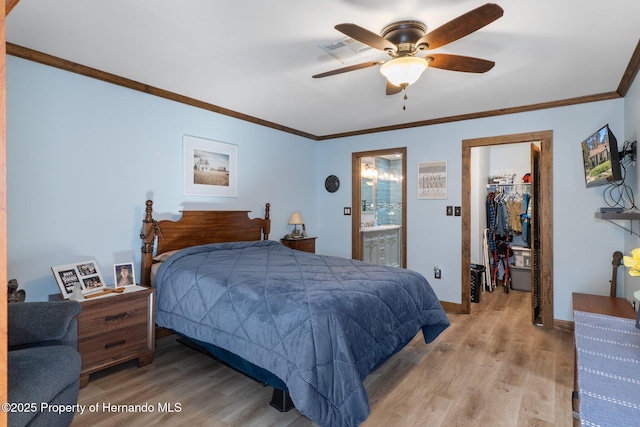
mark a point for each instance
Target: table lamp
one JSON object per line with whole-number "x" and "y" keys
{"x": 295, "y": 220}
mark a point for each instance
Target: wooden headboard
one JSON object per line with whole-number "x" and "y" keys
{"x": 197, "y": 228}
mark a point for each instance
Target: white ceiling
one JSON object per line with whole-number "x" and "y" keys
{"x": 256, "y": 57}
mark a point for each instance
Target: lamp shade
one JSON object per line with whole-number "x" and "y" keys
{"x": 295, "y": 218}
{"x": 404, "y": 71}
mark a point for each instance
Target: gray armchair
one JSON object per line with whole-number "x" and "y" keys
{"x": 43, "y": 361}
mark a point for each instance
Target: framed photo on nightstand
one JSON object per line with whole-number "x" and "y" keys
{"x": 86, "y": 274}
{"x": 124, "y": 274}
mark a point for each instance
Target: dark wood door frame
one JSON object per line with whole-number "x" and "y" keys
{"x": 545, "y": 210}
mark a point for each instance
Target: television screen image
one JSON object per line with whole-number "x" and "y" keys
{"x": 601, "y": 158}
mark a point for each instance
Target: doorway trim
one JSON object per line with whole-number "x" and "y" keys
{"x": 356, "y": 200}
{"x": 545, "y": 210}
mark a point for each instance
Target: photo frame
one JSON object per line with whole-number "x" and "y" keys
{"x": 86, "y": 274}
{"x": 124, "y": 275}
{"x": 210, "y": 168}
{"x": 432, "y": 180}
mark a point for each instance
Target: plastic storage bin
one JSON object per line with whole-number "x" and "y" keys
{"x": 520, "y": 278}
{"x": 521, "y": 256}
{"x": 477, "y": 281}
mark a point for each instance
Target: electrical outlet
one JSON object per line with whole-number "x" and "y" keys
{"x": 437, "y": 273}
{"x": 347, "y": 211}
{"x": 458, "y": 211}
{"x": 449, "y": 210}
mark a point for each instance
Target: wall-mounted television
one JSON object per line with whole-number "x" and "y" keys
{"x": 601, "y": 158}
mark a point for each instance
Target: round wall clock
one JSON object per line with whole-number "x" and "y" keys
{"x": 332, "y": 183}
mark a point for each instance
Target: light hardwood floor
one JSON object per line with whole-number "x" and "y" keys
{"x": 490, "y": 368}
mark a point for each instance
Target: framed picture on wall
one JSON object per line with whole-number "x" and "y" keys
{"x": 210, "y": 168}
{"x": 432, "y": 180}
{"x": 86, "y": 274}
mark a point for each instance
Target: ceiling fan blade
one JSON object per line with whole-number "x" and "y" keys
{"x": 465, "y": 64}
{"x": 347, "y": 69}
{"x": 393, "y": 89}
{"x": 365, "y": 36}
{"x": 462, "y": 26}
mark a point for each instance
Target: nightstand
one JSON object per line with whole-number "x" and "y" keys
{"x": 305, "y": 244}
{"x": 115, "y": 329}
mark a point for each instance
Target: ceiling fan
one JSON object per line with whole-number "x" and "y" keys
{"x": 403, "y": 40}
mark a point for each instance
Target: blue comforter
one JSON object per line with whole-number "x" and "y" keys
{"x": 319, "y": 323}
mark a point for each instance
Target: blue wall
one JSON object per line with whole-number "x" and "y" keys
{"x": 582, "y": 244}
{"x": 83, "y": 156}
{"x": 632, "y": 131}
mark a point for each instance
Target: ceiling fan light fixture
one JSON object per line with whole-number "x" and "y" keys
{"x": 404, "y": 71}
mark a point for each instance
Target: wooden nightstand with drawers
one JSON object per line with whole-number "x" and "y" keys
{"x": 305, "y": 244}
{"x": 116, "y": 329}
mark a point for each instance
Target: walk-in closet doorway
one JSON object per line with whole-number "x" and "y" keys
{"x": 542, "y": 219}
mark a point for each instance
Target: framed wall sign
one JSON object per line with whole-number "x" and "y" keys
{"x": 210, "y": 168}
{"x": 432, "y": 180}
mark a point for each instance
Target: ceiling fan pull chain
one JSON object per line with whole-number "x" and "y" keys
{"x": 404, "y": 107}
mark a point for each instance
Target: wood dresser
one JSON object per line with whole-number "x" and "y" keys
{"x": 116, "y": 329}
{"x": 598, "y": 304}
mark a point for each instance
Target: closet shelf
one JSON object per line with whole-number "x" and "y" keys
{"x": 508, "y": 185}
{"x": 613, "y": 216}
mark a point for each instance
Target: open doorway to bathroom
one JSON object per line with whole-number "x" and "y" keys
{"x": 379, "y": 195}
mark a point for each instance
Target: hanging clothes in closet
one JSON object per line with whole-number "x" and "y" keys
{"x": 507, "y": 215}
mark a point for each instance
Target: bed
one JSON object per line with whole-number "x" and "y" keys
{"x": 311, "y": 326}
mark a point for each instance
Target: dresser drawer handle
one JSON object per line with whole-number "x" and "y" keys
{"x": 114, "y": 344}
{"x": 115, "y": 317}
